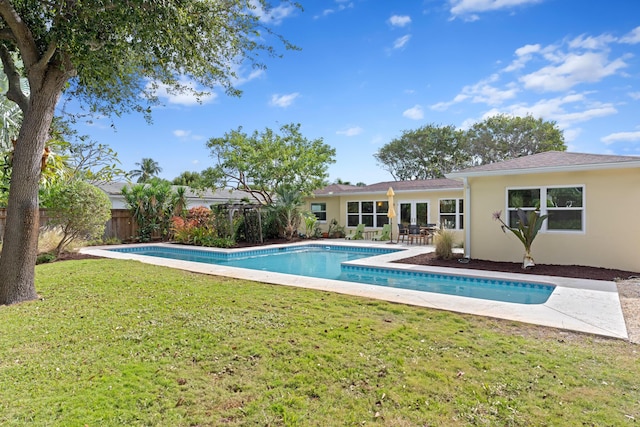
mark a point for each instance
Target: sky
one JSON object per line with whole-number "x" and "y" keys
{"x": 370, "y": 69}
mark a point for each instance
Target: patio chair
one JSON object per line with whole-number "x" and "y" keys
{"x": 357, "y": 234}
{"x": 402, "y": 231}
{"x": 415, "y": 233}
{"x": 385, "y": 235}
{"x": 429, "y": 231}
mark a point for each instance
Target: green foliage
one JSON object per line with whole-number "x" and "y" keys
{"x": 199, "y": 228}
{"x": 148, "y": 169}
{"x": 335, "y": 230}
{"x": 287, "y": 210}
{"x": 151, "y": 206}
{"x": 111, "y": 58}
{"x": 504, "y": 137}
{"x": 204, "y": 40}
{"x": 310, "y": 225}
{"x": 428, "y": 152}
{"x": 526, "y": 230}
{"x": 444, "y": 241}
{"x": 122, "y": 343}
{"x": 262, "y": 162}
{"x": 45, "y": 258}
{"x": 433, "y": 151}
{"x": 188, "y": 179}
{"x": 81, "y": 210}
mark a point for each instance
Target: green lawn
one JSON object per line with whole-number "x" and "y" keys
{"x": 116, "y": 343}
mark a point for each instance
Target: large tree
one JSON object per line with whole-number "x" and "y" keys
{"x": 105, "y": 54}
{"x": 263, "y": 161}
{"x": 428, "y": 152}
{"x": 432, "y": 151}
{"x": 504, "y": 137}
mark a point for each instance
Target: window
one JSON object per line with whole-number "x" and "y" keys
{"x": 564, "y": 205}
{"x": 369, "y": 213}
{"x": 320, "y": 211}
{"x": 452, "y": 214}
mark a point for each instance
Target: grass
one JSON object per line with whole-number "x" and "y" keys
{"x": 116, "y": 343}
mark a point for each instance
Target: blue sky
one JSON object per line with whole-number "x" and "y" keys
{"x": 370, "y": 69}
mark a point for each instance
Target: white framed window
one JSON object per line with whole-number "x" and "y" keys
{"x": 563, "y": 204}
{"x": 320, "y": 211}
{"x": 451, "y": 214}
{"x": 371, "y": 213}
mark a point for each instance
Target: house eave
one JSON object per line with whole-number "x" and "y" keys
{"x": 549, "y": 169}
{"x": 383, "y": 192}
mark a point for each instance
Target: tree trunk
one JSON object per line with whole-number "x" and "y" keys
{"x": 20, "y": 242}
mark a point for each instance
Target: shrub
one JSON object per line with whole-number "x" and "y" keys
{"x": 199, "y": 229}
{"x": 200, "y": 215}
{"x": 151, "y": 206}
{"x": 45, "y": 258}
{"x": 444, "y": 241}
{"x": 79, "y": 209}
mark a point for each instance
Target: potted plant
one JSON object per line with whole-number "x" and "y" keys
{"x": 335, "y": 230}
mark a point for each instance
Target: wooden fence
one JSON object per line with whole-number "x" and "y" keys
{"x": 121, "y": 226}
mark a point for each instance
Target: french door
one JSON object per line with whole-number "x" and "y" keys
{"x": 414, "y": 213}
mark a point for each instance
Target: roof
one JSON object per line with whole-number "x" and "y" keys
{"x": 550, "y": 161}
{"x": 398, "y": 186}
{"x": 115, "y": 189}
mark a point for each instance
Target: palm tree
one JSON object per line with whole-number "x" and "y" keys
{"x": 148, "y": 168}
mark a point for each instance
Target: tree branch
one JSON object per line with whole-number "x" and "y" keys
{"x": 14, "y": 93}
{"x": 21, "y": 33}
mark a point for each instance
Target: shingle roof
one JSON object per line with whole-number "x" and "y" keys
{"x": 549, "y": 161}
{"x": 115, "y": 189}
{"x": 382, "y": 187}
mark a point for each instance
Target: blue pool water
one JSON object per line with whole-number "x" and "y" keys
{"x": 327, "y": 262}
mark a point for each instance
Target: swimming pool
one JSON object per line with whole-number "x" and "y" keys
{"x": 333, "y": 262}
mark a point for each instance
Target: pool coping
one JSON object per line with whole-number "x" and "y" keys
{"x": 590, "y": 306}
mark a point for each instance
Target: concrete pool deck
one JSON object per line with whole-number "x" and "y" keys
{"x": 589, "y": 306}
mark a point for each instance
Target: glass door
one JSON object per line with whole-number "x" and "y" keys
{"x": 414, "y": 213}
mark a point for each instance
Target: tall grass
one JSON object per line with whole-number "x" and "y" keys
{"x": 444, "y": 241}
{"x": 114, "y": 343}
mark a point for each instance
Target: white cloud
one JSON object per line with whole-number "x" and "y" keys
{"x": 274, "y": 15}
{"x": 471, "y": 7}
{"x": 574, "y": 69}
{"x": 632, "y": 37}
{"x": 182, "y": 133}
{"x": 342, "y": 5}
{"x": 414, "y": 113}
{"x": 592, "y": 43}
{"x": 565, "y": 110}
{"x": 352, "y": 131}
{"x": 242, "y": 79}
{"x": 283, "y": 100}
{"x": 635, "y": 95}
{"x": 399, "y": 43}
{"x": 186, "y": 135}
{"x": 189, "y": 94}
{"x": 400, "y": 20}
{"x": 483, "y": 92}
{"x": 572, "y": 134}
{"x": 524, "y": 55}
{"x": 621, "y": 136}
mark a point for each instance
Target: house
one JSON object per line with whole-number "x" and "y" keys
{"x": 194, "y": 198}
{"x": 432, "y": 201}
{"x": 593, "y": 203}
